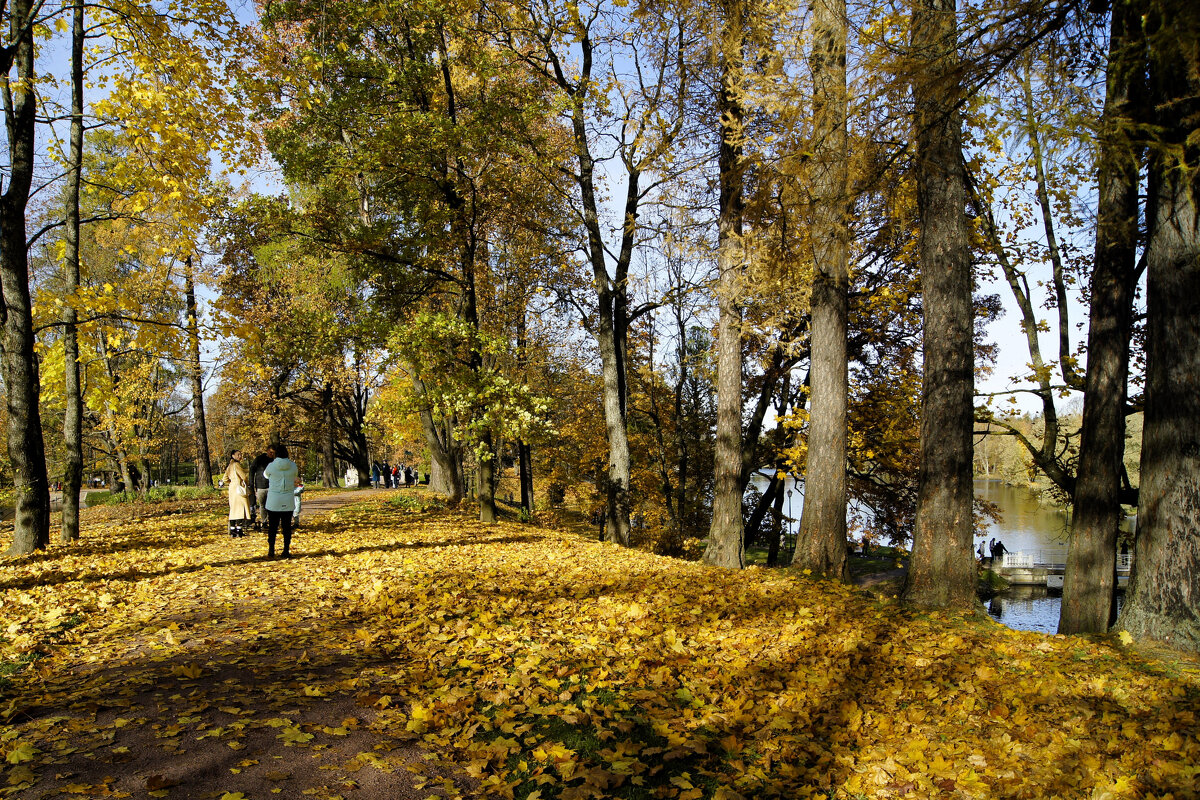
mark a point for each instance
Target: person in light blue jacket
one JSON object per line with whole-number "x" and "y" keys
{"x": 299, "y": 490}
{"x": 281, "y": 475}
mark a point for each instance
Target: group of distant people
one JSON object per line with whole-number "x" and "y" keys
{"x": 387, "y": 476}
{"x": 995, "y": 546}
{"x": 273, "y": 485}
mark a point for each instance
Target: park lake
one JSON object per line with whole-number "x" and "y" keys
{"x": 1027, "y": 522}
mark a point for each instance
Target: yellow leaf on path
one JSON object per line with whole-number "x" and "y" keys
{"x": 190, "y": 671}
{"x": 233, "y": 796}
{"x": 23, "y": 752}
{"x": 21, "y": 775}
{"x": 295, "y": 736}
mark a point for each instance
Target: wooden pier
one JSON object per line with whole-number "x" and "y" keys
{"x": 1047, "y": 567}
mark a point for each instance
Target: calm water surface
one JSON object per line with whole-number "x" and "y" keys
{"x": 1026, "y": 524}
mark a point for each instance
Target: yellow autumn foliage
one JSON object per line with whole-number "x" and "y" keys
{"x": 522, "y": 662}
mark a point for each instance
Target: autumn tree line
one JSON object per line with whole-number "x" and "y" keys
{"x": 641, "y": 250}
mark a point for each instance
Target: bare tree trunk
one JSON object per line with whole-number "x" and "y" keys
{"x": 203, "y": 456}
{"x": 1165, "y": 585}
{"x": 1090, "y": 582}
{"x": 777, "y": 527}
{"x": 525, "y": 464}
{"x": 524, "y": 452}
{"x": 765, "y": 503}
{"x": 612, "y": 310}
{"x": 617, "y": 426}
{"x": 445, "y": 460}
{"x": 942, "y": 569}
{"x": 821, "y": 543}
{"x": 26, "y": 450}
{"x": 73, "y": 389}
{"x": 329, "y": 478}
{"x": 725, "y": 536}
{"x": 487, "y": 479}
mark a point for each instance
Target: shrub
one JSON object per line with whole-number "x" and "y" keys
{"x": 557, "y": 493}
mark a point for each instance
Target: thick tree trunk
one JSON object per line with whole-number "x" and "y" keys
{"x": 487, "y": 479}
{"x": 1090, "y": 581}
{"x": 445, "y": 463}
{"x": 353, "y": 427}
{"x": 725, "y": 536}
{"x": 617, "y": 427}
{"x": 525, "y": 470}
{"x": 1162, "y": 600}
{"x": 524, "y": 452}
{"x": 942, "y": 568}
{"x": 146, "y": 476}
{"x": 196, "y": 373}
{"x": 26, "y": 450}
{"x": 73, "y": 388}
{"x": 821, "y": 543}
{"x": 329, "y": 477}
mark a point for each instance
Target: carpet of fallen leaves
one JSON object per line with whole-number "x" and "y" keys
{"x": 408, "y": 653}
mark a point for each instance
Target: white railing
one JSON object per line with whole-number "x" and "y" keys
{"x": 1053, "y": 557}
{"x": 1017, "y": 560}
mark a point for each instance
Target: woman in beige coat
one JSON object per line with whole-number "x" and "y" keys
{"x": 239, "y": 495}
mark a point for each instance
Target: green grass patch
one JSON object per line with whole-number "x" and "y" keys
{"x": 158, "y": 494}
{"x": 877, "y": 559}
{"x": 415, "y": 503}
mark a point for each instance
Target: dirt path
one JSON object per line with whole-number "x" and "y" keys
{"x": 324, "y": 503}
{"x": 225, "y": 678}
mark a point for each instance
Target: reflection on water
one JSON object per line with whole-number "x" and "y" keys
{"x": 1030, "y": 608}
{"x": 1027, "y": 608}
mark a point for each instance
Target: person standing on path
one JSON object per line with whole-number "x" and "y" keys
{"x": 259, "y": 486}
{"x": 281, "y": 481}
{"x": 239, "y": 495}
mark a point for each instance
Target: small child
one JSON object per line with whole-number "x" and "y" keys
{"x": 296, "y": 507}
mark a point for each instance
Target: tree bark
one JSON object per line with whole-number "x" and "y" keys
{"x": 26, "y": 449}
{"x": 777, "y": 527}
{"x": 329, "y": 478}
{"x": 73, "y": 389}
{"x": 725, "y": 536}
{"x": 821, "y": 543}
{"x": 487, "y": 479}
{"x": 1089, "y": 585}
{"x": 525, "y": 470}
{"x": 942, "y": 568}
{"x": 612, "y": 304}
{"x": 445, "y": 467}
{"x": 196, "y": 373}
{"x": 524, "y": 452}
{"x": 1165, "y": 584}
